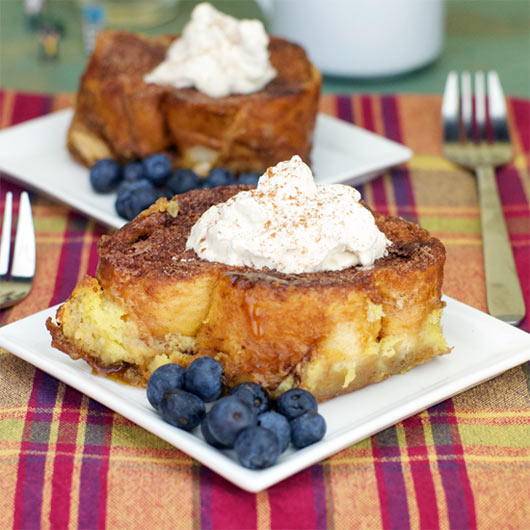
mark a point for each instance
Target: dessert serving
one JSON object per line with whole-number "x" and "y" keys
{"x": 287, "y": 285}
{"x": 221, "y": 94}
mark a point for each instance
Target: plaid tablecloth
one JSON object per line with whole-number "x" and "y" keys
{"x": 66, "y": 461}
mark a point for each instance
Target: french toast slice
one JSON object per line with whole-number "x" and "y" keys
{"x": 154, "y": 302}
{"x": 118, "y": 115}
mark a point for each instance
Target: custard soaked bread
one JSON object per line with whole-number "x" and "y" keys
{"x": 121, "y": 116}
{"x": 332, "y": 332}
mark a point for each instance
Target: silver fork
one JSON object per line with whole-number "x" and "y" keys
{"x": 472, "y": 142}
{"x": 16, "y": 283}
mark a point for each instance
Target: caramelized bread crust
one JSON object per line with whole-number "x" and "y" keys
{"x": 119, "y": 115}
{"x": 153, "y": 302}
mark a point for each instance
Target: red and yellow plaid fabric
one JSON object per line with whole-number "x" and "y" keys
{"x": 68, "y": 462}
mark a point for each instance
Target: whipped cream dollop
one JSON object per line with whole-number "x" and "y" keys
{"x": 218, "y": 55}
{"x": 290, "y": 224}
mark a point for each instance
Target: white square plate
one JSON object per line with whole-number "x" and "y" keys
{"x": 483, "y": 348}
{"x": 34, "y": 153}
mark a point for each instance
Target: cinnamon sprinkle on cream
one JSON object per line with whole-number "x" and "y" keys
{"x": 290, "y": 224}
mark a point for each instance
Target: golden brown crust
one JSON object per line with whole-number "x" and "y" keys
{"x": 155, "y": 245}
{"x": 330, "y": 332}
{"x": 117, "y": 114}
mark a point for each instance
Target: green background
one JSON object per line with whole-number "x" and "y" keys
{"x": 480, "y": 34}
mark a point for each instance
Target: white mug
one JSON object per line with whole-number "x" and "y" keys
{"x": 361, "y": 38}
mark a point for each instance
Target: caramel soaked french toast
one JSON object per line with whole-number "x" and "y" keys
{"x": 119, "y": 115}
{"x": 154, "y": 302}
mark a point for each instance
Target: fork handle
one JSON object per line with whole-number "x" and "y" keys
{"x": 503, "y": 290}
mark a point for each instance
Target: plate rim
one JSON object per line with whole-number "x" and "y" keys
{"x": 249, "y": 480}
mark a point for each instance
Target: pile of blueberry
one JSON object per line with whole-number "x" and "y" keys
{"x": 244, "y": 420}
{"x": 140, "y": 184}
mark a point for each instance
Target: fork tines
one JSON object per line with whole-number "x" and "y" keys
{"x": 466, "y": 116}
{"x": 24, "y": 256}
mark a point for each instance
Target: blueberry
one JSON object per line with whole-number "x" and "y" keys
{"x": 253, "y": 394}
{"x": 164, "y": 379}
{"x": 204, "y": 378}
{"x": 182, "y": 409}
{"x": 257, "y": 448}
{"x": 208, "y": 436}
{"x": 219, "y": 177}
{"x": 165, "y": 191}
{"x": 133, "y": 197}
{"x": 227, "y": 418}
{"x": 183, "y": 180}
{"x": 157, "y": 168}
{"x": 133, "y": 171}
{"x": 295, "y": 402}
{"x": 249, "y": 178}
{"x": 279, "y": 425}
{"x": 105, "y": 175}
{"x": 307, "y": 429}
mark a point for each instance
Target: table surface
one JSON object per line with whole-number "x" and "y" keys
{"x": 68, "y": 462}
{"x": 491, "y": 34}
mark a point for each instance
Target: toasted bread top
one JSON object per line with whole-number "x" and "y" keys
{"x": 129, "y": 56}
{"x": 154, "y": 244}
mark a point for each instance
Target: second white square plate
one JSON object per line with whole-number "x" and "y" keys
{"x": 34, "y": 154}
